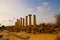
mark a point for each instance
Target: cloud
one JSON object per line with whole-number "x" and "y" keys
{"x": 4, "y": 20}
{"x": 11, "y": 20}
{"x": 9, "y": 9}
{"x": 43, "y": 8}
{"x": 44, "y": 4}
{"x": 12, "y": 8}
{"x": 43, "y": 13}
{"x": 30, "y": 11}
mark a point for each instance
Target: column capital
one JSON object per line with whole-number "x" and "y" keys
{"x": 26, "y": 16}
{"x": 21, "y": 18}
{"x": 17, "y": 20}
{"x": 30, "y": 15}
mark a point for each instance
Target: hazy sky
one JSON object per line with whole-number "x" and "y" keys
{"x": 45, "y": 10}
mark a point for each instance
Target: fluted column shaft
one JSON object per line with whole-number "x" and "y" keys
{"x": 34, "y": 20}
{"x": 23, "y": 22}
{"x": 26, "y": 21}
{"x": 30, "y": 20}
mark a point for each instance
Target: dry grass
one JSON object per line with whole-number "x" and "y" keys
{"x": 11, "y": 36}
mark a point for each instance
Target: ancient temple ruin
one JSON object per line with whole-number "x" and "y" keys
{"x": 27, "y": 21}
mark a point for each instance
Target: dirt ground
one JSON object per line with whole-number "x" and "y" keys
{"x": 26, "y": 36}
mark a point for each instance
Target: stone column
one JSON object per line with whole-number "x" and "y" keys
{"x": 23, "y": 22}
{"x": 34, "y": 20}
{"x": 17, "y": 23}
{"x": 26, "y": 21}
{"x": 29, "y": 20}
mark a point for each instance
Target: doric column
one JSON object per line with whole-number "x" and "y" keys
{"x": 23, "y": 22}
{"x": 26, "y": 21}
{"x": 34, "y": 20}
{"x": 29, "y": 20}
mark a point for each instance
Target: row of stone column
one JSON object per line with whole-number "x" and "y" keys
{"x": 24, "y": 22}
{"x": 30, "y": 22}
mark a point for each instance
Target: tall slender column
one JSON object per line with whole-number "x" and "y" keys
{"x": 23, "y": 22}
{"x": 29, "y": 20}
{"x": 34, "y": 20}
{"x": 26, "y": 21}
